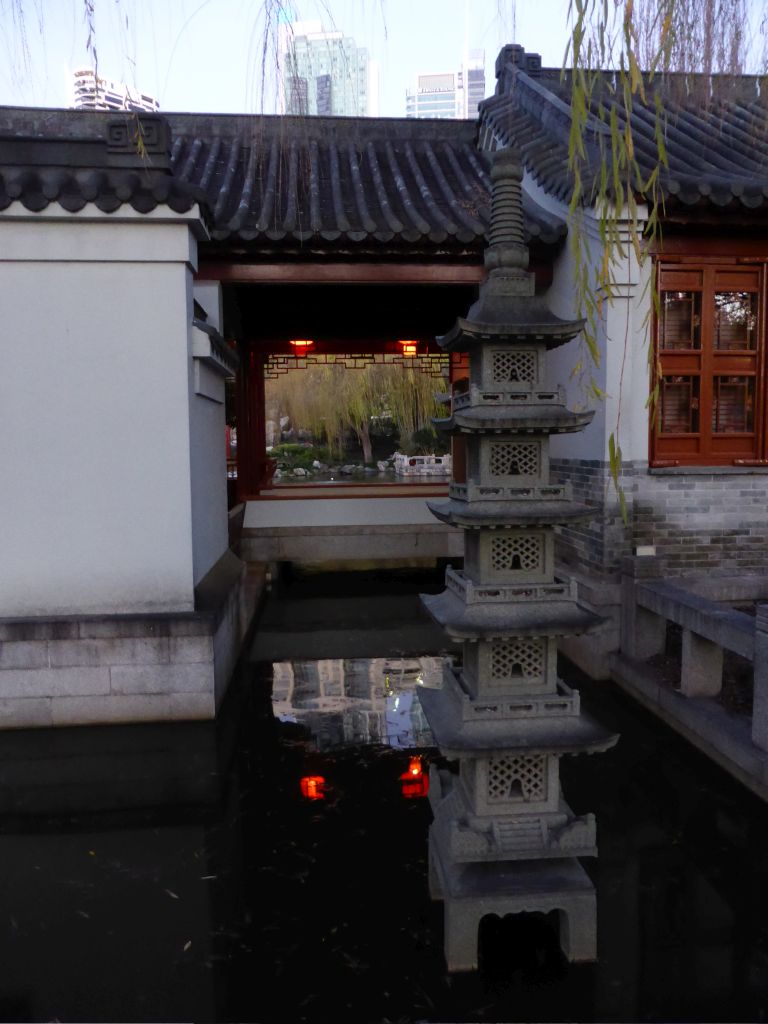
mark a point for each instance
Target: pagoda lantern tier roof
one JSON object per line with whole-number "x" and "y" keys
{"x": 514, "y": 419}
{"x": 476, "y": 514}
{"x": 525, "y": 321}
{"x": 535, "y": 612}
{"x": 457, "y": 738}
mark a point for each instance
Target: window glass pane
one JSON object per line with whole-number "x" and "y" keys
{"x": 733, "y": 405}
{"x": 679, "y": 405}
{"x": 680, "y": 320}
{"x": 735, "y": 320}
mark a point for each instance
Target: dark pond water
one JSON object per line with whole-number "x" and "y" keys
{"x": 178, "y": 874}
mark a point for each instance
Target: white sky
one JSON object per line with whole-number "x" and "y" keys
{"x": 206, "y": 55}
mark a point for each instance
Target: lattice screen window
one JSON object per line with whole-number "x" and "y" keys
{"x": 510, "y": 458}
{"x": 522, "y": 778}
{"x": 517, "y": 659}
{"x": 514, "y": 366}
{"x": 518, "y": 553}
{"x": 710, "y": 344}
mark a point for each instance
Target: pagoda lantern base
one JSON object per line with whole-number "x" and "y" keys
{"x": 471, "y": 892}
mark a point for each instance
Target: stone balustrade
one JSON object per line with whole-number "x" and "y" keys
{"x": 703, "y": 609}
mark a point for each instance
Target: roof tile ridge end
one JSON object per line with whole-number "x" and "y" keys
{"x": 532, "y": 89}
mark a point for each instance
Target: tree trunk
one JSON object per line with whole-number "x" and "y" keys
{"x": 364, "y": 437}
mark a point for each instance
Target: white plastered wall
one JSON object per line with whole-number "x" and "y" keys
{"x": 207, "y": 449}
{"x": 95, "y": 420}
{"x": 623, "y": 373}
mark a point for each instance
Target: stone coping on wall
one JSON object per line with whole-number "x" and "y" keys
{"x": 382, "y": 544}
{"x": 210, "y": 602}
{"x": 705, "y": 470}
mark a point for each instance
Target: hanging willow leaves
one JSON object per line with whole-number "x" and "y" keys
{"x": 642, "y": 42}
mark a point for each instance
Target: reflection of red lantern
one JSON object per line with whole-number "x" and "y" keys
{"x": 408, "y": 347}
{"x": 313, "y": 787}
{"x": 414, "y": 782}
{"x": 301, "y": 344}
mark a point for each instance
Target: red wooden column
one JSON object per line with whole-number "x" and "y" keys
{"x": 458, "y": 374}
{"x": 254, "y": 467}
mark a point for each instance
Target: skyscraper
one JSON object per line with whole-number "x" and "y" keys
{"x": 473, "y": 81}
{"x": 91, "y": 92}
{"x": 449, "y": 93}
{"x": 325, "y": 73}
{"x": 435, "y": 95}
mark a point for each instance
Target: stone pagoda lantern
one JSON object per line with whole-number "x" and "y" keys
{"x": 503, "y": 840}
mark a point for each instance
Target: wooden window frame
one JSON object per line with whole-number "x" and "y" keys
{"x": 705, "y": 446}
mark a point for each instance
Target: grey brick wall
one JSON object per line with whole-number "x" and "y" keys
{"x": 701, "y": 522}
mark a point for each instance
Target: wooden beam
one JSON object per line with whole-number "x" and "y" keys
{"x": 713, "y": 247}
{"x": 341, "y": 273}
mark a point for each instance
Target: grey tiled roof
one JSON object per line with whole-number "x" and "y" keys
{"x": 358, "y": 184}
{"x": 715, "y": 131}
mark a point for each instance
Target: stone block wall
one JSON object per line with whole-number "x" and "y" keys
{"x": 84, "y": 670}
{"x": 87, "y": 670}
{"x": 701, "y": 521}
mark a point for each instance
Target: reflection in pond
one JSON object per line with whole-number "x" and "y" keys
{"x": 356, "y": 700}
{"x": 177, "y": 873}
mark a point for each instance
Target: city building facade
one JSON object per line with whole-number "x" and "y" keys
{"x": 449, "y": 93}
{"x": 325, "y": 73}
{"x": 91, "y": 92}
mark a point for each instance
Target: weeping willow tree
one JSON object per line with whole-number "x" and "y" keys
{"x": 330, "y": 400}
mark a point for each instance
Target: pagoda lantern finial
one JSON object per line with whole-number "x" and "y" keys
{"x": 506, "y": 235}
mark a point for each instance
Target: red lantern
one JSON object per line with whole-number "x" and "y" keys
{"x": 301, "y": 344}
{"x": 313, "y": 787}
{"x": 414, "y": 782}
{"x": 409, "y": 348}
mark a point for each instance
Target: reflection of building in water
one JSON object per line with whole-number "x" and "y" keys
{"x": 356, "y": 700}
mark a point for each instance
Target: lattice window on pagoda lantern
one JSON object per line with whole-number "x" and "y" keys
{"x": 519, "y": 662}
{"x": 517, "y": 552}
{"x": 514, "y": 459}
{"x": 517, "y": 778}
{"x": 511, "y": 366}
